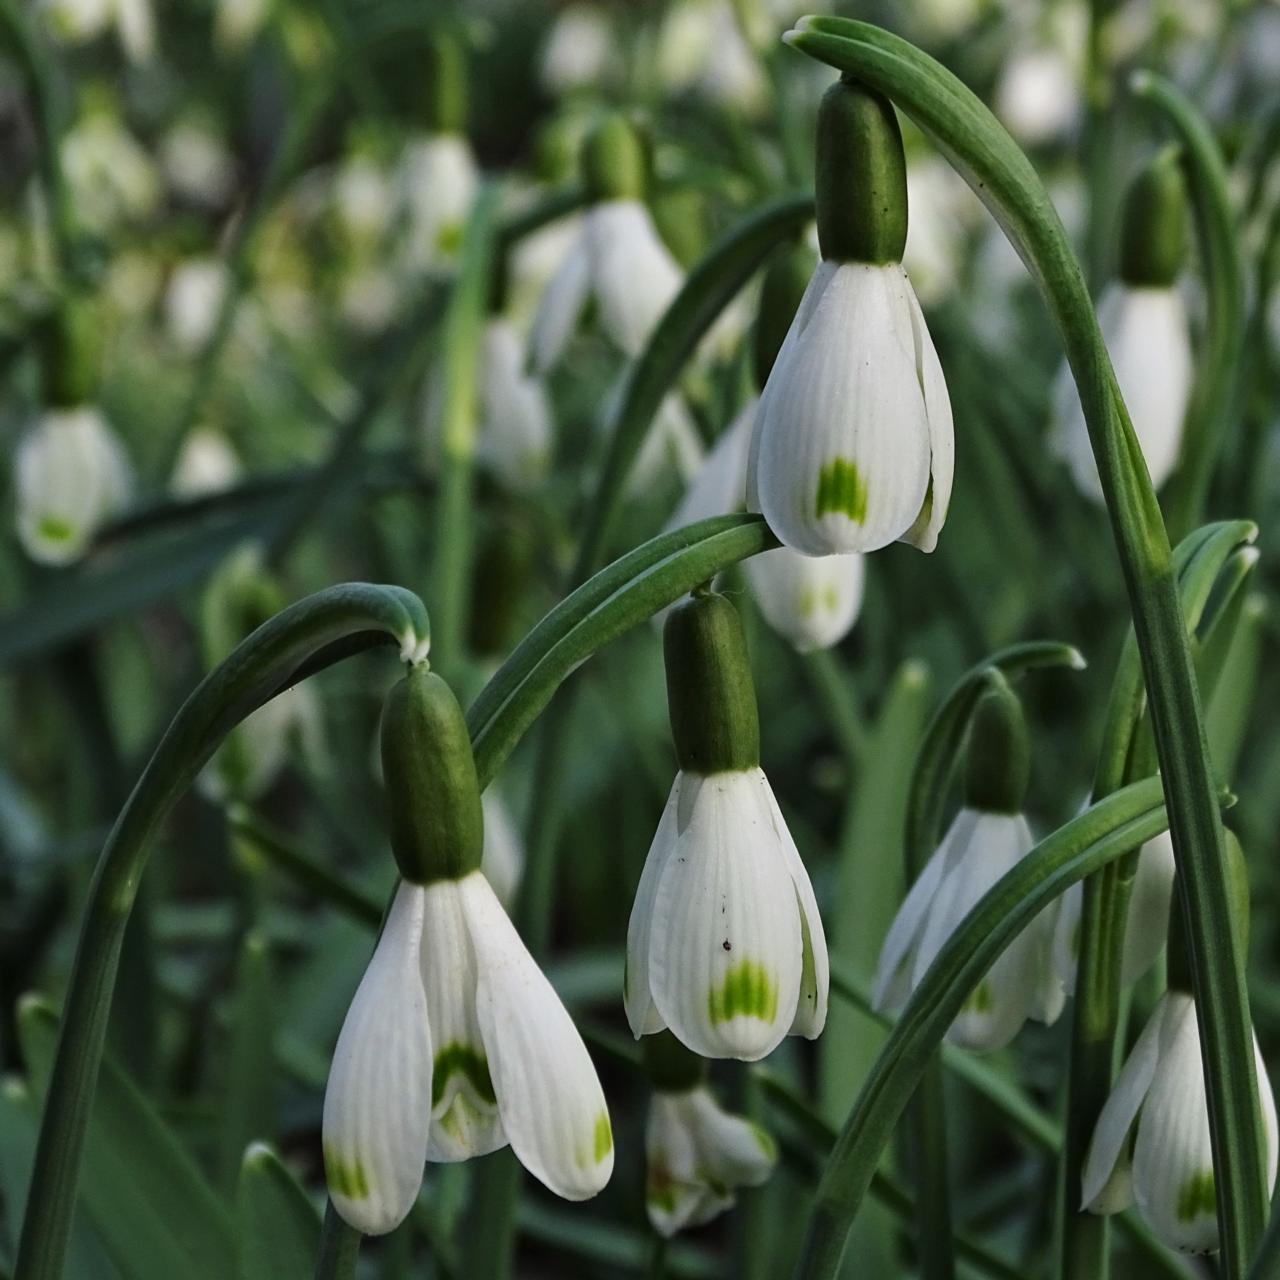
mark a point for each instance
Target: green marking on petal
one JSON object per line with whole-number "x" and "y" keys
{"x": 982, "y": 1000}
{"x": 458, "y": 1058}
{"x": 603, "y": 1137}
{"x": 346, "y": 1177}
{"x": 660, "y": 1187}
{"x": 768, "y": 1147}
{"x": 842, "y": 490}
{"x": 449, "y": 241}
{"x": 1196, "y": 1196}
{"x": 748, "y": 991}
{"x": 55, "y": 529}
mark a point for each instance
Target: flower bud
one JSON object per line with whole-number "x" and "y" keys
{"x": 999, "y": 756}
{"x": 711, "y": 696}
{"x": 433, "y": 795}
{"x": 1153, "y": 238}
{"x": 861, "y": 177}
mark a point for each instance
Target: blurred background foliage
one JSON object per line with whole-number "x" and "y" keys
{"x": 239, "y": 191}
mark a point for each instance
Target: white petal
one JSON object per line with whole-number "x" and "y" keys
{"x": 1149, "y": 903}
{"x": 811, "y": 600}
{"x": 377, "y": 1105}
{"x": 719, "y": 488}
{"x": 464, "y": 1111}
{"x": 504, "y": 855}
{"x": 942, "y": 442}
{"x": 1173, "y": 1154}
{"x": 438, "y": 181}
{"x": 1267, "y": 1103}
{"x": 676, "y": 1194}
{"x": 642, "y": 1013}
{"x": 1105, "y": 1182}
{"x": 671, "y": 443}
{"x": 633, "y": 275}
{"x": 560, "y": 308}
{"x": 735, "y": 1152}
{"x": 892, "y": 983}
{"x": 515, "y": 418}
{"x": 1066, "y": 937}
{"x": 842, "y": 439}
{"x": 725, "y": 958}
{"x": 815, "y": 977}
{"x": 552, "y": 1106}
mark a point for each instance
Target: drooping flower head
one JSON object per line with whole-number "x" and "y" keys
{"x": 1144, "y": 324}
{"x": 725, "y": 945}
{"x": 987, "y": 838}
{"x": 853, "y": 446}
{"x": 455, "y": 1043}
{"x": 697, "y": 1153}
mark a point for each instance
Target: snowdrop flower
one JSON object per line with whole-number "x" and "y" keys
{"x": 206, "y": 464}
{"x": 455, "y": 1043}
{"x": 1168, "y": 1170}
{"x": 515, "y": 430}
{"x": 1037, "y": 97}
{"x": 697, "y": 1154}
{"x": 813, "y": 601}
{"x": 364, "y": 200}
{"x": 725, "y": 946}
{"x": 580, "y": 51}
{"x": 988, "y": 837}
{"x": 193, "y": 301}
{"x": 196, "y": 162}
{"x": 853, "y": 447}
{"x": 71, "y": 474}
{"x": 111, "y": 176}
{"x": 1144, "y": 324}
{"x": 618, "y": 258}
{"x": 1145, "y": 926}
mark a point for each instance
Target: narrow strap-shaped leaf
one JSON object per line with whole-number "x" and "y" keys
{"x": 277, "y": 1226}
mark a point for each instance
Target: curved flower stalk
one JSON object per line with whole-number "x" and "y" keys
{"x": 988, "y": 837}
{"x": 1143, "y": 319}
{"x": 1145, "y": 925}
{"x": 1151, "y": 1144}
{"x": 71, "y": 476}
{"x": 617, "y": 258}
{"x": 853, "y": 446}
{"x": 725, "y": 945}
{"x": 455, "y": 1043}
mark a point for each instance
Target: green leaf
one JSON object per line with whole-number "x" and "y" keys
{"x": 278, "y": 1228}
{"x": 155, "y": 1212}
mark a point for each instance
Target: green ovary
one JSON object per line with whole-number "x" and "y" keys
{"x": 461, "y": 1059}
{"x": 841, "y": 490}
{"x": 345, "y": 1177}
{"x": 1196, "y": 1196}
{"x": 748, "y": 991}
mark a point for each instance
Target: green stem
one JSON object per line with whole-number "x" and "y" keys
{"x": 339, "y": 1247}
{"x": 1004, "y": 179}
{"x": 306, "y": 637}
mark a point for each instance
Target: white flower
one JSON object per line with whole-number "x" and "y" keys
{"x": 504, "y": 856}
{"x": 1149, "y": 342}
{"x": 71, "y": 475}
{"x": 369, "y": 297}
{"x": 810, "y": 600}
{"x": 618, "y": 260}
{"x": 197, "y": 163}
{"x": 580, "y": 51}
{"x": 720, "y": 486}
{"x": 701, "y": 47}
{"x": 364, "y": 199}
{"x": 725, "y": 945}
{"x": 1038, "y": 96}
{"x": 254, "y": 754}
{"x": 194, "y": 299}
{"x": 78, "y": 21}
{"x": 110, "y": 174}
{"x": 671, "y": 443}
{"x": 1170, "y": 1170}
{"x": 206, "y": 464}
{"x": 237, "y": 22}
{"x": 515, "y": 427}
{"x": 853, "y": 446}
{"x": 1146, "y": 925}
{"x": 438, "y": 181}
{"x": 978, "y": 848}
{"x": 455, "y": 1044}
{"x": 697, "y": 1154}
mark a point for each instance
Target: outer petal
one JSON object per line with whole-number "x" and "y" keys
{"x": 1149, "y": 903}
{"x": 842, "y": 439}
{"x": 503, "y": 859}
{"x": 811, "y": 600}
{"x": 1105, "y": 1180}
{"x": 464, "y": 1108}
{"x": 815, "y": 974}
{"x": 633, "y": 275}
{"x": 560, "y": 308}
{"x": 1173, "y": 1155}
{"x": 551, "y": 1102}
{"x": 719, "y": 488}
{"x": 726, "y": 955}
{"x": 942, "y": 440}
{"x": 893, "y": 983}
{"x": 734, "y": 1152}
{"x": 1267, "y": 1103}
{"x": 642, "y": 1013}
{"x": 672, "y": 442}
{"x": 377, "y": 1106}
{"x": 438, "y": 180}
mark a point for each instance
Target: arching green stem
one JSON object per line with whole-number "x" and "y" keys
{"x": 1000, "y": 174}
